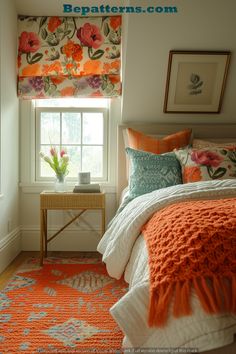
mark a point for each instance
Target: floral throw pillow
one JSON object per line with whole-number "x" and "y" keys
{"x": 207, "y": 164}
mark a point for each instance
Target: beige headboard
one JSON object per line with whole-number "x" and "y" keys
{"x": 204, "y": 131}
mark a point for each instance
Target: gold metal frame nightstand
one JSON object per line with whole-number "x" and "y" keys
{"x": 67, "y": 201}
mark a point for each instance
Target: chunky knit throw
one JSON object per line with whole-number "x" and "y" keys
{"x": 192, "y": 245}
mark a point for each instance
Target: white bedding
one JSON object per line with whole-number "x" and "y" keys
{"x": 124, "y": 251}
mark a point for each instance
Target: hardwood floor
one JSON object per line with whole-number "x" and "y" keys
{"x": 11, "y": 269}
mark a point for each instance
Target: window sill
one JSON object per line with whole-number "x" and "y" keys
{"x": 38, "y": 187}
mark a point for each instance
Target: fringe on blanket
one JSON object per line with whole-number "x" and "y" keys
{"x": 216, "y": 295}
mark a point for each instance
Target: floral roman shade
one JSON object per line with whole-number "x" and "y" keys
{"x": 69, "y": 57}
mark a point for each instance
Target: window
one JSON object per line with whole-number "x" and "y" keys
{"x": 80, "y": 127}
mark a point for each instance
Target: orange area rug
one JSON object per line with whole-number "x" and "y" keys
{"x": 60, "y": 308}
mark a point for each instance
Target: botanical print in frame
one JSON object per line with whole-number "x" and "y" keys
{"x": 196, "y": 81}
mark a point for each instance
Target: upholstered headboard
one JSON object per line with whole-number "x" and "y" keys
{"x": 204, "y": 131}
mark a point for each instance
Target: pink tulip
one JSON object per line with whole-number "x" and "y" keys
{"x": 59, "y": 165}
{"x": 62, "y": 153}
{"x": 53, "y": 151}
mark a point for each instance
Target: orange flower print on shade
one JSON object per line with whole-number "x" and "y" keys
{"x": 90, "y": 36}
{"x": 28, "y": 42}
{"x": 192, "y": 174}
{"x": 113, "y": 67}
{"x": 73, "y": 50}
{"x": 92, "y": 67}
{"x": 114, "y": 79}
{"x": 61, "y": 59}
{"x": 54, "y": 67}
{"x": 67, "y": 91}
{"x": 57, "y": 80}
{"x": 31, "y": 70}
{"x": 53, "y": 23}
{"x": 115, "y": 22}
{"x": 69, "y": 67}
{"x": 96, "y": 94}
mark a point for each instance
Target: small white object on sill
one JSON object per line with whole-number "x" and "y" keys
{"x": 84, "y": 177}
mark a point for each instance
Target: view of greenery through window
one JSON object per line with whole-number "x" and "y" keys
{"x": 80, "y": 132}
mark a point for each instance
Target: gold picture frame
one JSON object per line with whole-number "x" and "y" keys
{"x": 196, "y": 81}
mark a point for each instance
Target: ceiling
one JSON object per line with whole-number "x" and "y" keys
{"x": 55, "y": 7}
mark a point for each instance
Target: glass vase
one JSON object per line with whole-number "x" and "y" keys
{"x": 60, "y": 184}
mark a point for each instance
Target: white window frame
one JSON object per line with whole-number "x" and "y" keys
{"x": 81, "y": 110}
{"x": 28, "y": 183}
{"x": 1, "y": 195}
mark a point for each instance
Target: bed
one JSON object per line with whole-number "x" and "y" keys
{"x": 125, "y": 252}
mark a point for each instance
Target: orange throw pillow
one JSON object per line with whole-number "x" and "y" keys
{"x": 140, "y": 141}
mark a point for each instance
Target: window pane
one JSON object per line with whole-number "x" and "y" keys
{"x": 45, "y": 169}
{"x": 80, "y": 132}
{"x": 50, "y": 128}
{"x": 92, "y": 128}
{"x": 71, "y": 128}
{"x": 92, "y": 160}
{"x": 74, "y": 162}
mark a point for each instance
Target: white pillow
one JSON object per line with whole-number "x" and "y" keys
{"x": 202, "y": 144}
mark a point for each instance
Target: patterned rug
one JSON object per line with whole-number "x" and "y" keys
{"x": 62, "y": 307}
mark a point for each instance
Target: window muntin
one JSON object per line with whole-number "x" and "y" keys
{"x": 81, "y": 131}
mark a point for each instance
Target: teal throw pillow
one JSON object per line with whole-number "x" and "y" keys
{"x": 150, "y": 171}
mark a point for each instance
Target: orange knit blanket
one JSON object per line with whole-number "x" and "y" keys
{"x": 192, "y": 245}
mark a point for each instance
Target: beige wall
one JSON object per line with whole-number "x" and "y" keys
{"x": 9, "y": 200}
{"x": 55, "y": 7}
{"x": 198, "y": 25}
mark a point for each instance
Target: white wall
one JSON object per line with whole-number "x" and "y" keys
{"x": 198, "y": 25}
{"x": 55, "y": 7}
{"x": 9, "y": 160}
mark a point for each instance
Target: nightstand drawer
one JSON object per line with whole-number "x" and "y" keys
{"x": 72, "y": 200}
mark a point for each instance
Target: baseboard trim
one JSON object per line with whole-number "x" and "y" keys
{"x": 9, "y": 238}
{"x": 68, "y": 240}
{"x": 28, "y": 239}
{"x": 73, "y": 228}
{"x": 10, "y": 247}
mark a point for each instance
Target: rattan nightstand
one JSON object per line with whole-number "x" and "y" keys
{"x": 66, "y": 201}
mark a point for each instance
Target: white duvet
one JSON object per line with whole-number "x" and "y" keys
{"x": 124, "y": 252}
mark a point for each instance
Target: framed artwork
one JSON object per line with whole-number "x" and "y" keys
{"x": 196, "y": 81}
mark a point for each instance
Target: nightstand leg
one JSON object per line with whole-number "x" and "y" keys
{"x": 41, "y": 236}
{"x": 46, "y": 232}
